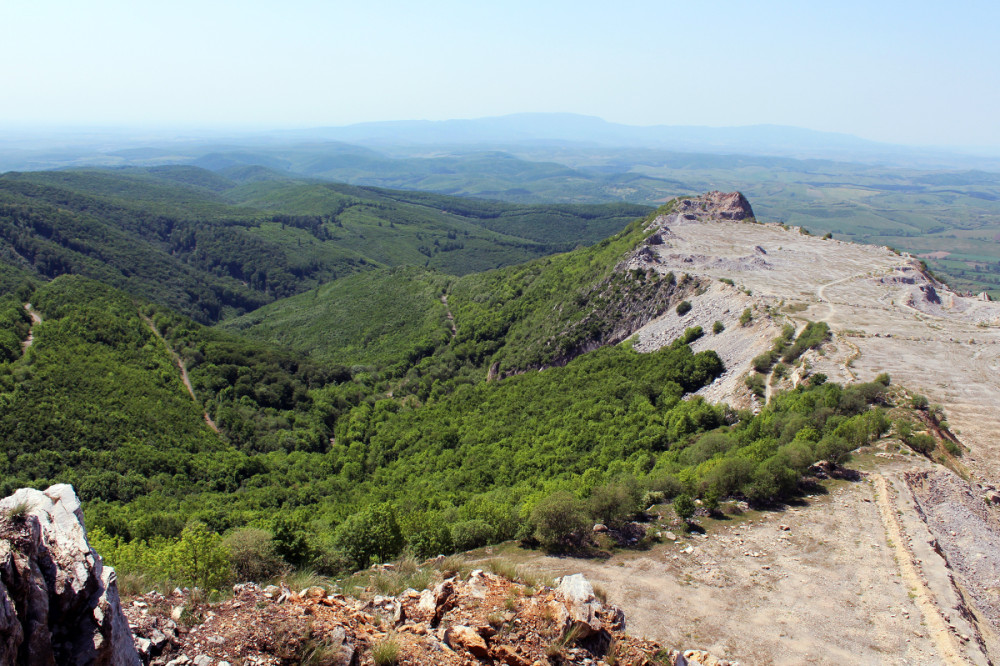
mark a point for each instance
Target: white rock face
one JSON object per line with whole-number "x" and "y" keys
{"x": 576, "y": 589}
{"x": 71, "y": 613}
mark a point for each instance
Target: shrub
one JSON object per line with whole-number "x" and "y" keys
{"x": 372, "y": 534}
{"x": 653, "y": 497}
{"x": 922, "y": 443}
{"x": 683, "y": 308}
{"x": 746, "y": 317}
{"x": 291, "y": 542}
{"x": 684, "y": 506}
{"x": 727, "y": 281}
{"x": 718, "y": 327}
{"x": 828, "y": 235}
{"x": 763, "y": 362}
{"x": 558, "y": 521}
{"x": 200, "y": 558}
{"x": 812, "y": 336}
{"x": 668, "y": 485}
{"x": 919, "y": 402}
{"x": 252, "y": 555}
{"x": 614, "y": 503}
{"x": 755, "y": 383}
{"x": 691, "y": 334}
{"x": 470, "y": 534}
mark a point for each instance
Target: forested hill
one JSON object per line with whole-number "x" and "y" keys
{"x": 211, "y": 245}
{"x": 432, "y": 326}
{"x": 340, "y": 462}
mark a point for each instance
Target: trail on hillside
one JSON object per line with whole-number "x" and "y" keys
{"x": 768, "y": 387}
{"x": 180, "y": 364}
{"x": 449, "y": 316}
{"x": 821, "y": 295}
{"x": 936, "y": 625}
{"x": 35, "y": 319}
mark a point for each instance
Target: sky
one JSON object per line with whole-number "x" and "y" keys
{"x": 918, "y": 73}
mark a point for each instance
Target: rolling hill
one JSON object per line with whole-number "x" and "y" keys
{"x": 211, "y": 246}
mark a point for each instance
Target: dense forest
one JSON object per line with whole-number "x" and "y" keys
{"x": 386, "y": 411}
{"x": 210, "y": 247}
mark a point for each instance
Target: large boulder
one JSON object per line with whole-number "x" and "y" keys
{"x": 730, "y": 205}
{"x": 582, "y": 606}
{"x": 59, "y": 604}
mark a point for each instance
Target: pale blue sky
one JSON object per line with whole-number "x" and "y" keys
{"x": 908, "y": 72}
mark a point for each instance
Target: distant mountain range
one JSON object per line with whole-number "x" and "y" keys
{"x": 104, "y": 148}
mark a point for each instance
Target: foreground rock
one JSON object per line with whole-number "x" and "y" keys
{"x": 58, "y": 603}
{"x": 478, "y": 619}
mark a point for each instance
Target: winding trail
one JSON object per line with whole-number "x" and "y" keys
{"x": 35, "y": 319}
{"x": 180, "y": 364}
{"x": 821, "y": 295}
{"x": 450, "y": 317}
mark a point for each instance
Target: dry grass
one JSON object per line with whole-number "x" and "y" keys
{"x": 385, "y": 652}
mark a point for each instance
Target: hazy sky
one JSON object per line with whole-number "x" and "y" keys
{"x": 908, "y": 72}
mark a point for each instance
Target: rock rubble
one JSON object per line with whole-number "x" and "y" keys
{"x": 482, "y": 618}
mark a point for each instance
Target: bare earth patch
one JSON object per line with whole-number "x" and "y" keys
{"x": 900, "y": 568}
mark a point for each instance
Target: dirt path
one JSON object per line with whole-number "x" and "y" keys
{"x": 451, "y": 318}
{"x": 800, "y": 326}
{"x": 821, "y": 295}
{"x": 182, "y": 367}
{"x": 35, "y": 319}
{"x": 936, "y": 625}
{"x": 850, "y": 581}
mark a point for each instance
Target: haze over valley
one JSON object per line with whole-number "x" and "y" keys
{"x": 542, "y": 334}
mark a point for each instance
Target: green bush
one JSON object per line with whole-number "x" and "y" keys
{"x": 470, "y": 534}
{"x": 812, "y": 336}
{"x": 252, "y": 555}
{"x": 921, "y": 443}
{"x": 763, "y": 362}
{"x": 691, "y": 334}
{"x": 559, "y": 521}
{"x": 683, "y": 308}
{"x": 755, "y": 383}
{"x": 718, "y": 327}
{"x": 615, "y": 503}
{"x": 371, "y": 535}
{"x": 684, "y": 506}
{"x": 746, "y": 317}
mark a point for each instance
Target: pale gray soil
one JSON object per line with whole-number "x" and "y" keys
{"x": 879, "y": 305}
{"x": 827, "y": 591}
{"x": 874, "y": 573}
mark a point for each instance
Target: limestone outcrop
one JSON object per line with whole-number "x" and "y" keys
{"x": 59, "y": 604}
